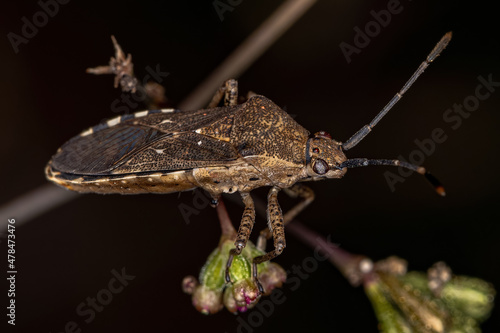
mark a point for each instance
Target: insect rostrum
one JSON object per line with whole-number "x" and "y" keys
{"x": 233, "y": 148}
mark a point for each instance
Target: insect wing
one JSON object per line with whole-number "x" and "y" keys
{"x": 147, "y": 141}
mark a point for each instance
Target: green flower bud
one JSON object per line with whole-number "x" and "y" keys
{"x": 422, "y": 313}
{"x": 206, "y": 300}
{"x": 390, "y": 319}
{"x": 213, "y": 292}
{"x": 437, "y": 302}
{"x": 241, "y": 296}
{"x": 474, "y": 297}
{"x": 272, "y": 276}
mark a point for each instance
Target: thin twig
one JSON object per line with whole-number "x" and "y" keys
{"x": 34, "y": 203}
{"x": 347, "y": 263}
{"x": 226, "y": 226}
{"x": 248, "y": 51}
{"x": 351, "y": 265}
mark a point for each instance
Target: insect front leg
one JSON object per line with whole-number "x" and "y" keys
{"x": 244, "y": 231}
{"x": 228, "y": 91}
{"x": 277, "y": 226}
{"x": 297, "y": 190}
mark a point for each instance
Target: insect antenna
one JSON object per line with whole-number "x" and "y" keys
{"x": 362, "y": 162}
{"x": 360, "y": 135}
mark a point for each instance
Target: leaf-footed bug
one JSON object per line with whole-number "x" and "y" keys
{"x": 233, "y": 148}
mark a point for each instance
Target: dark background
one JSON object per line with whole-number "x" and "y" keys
{"x": 67, "y": 254}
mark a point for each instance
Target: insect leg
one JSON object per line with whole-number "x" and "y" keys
{"x": 228, "y": 91}
{"x": 275, "y": 222}
{"x": 231, "y": 95}
{"x": 217, "y": 98}
{"x": 297, "y": 190}
{"x": 244, "y": 231}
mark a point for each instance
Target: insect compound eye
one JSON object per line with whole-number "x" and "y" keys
{"x": 323, "y": 134}
{"x": 320, "y": 167}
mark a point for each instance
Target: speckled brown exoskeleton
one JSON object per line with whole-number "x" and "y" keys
{"x": 227, "y": 149}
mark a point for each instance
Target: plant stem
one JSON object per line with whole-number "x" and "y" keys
{"x": 226, "y": 226}
{"x": 351, "y": 265}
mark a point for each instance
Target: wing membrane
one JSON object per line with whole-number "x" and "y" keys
{"x": 180, "y": 151}
{"x": 153, "y": 141}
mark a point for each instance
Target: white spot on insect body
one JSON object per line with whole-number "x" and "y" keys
{"x": 87, "y": 132}
{"x": 102, "y": 180}
{"x": 78, "y": 180}
{"x": 166, "y": 121}
{"x": 199, "y": 143}
{"x": 141, "y": 114}
{"x": 123, "y": 180}
{"x": 167, "y": 110}
{"x": 114, "y": 121}
{"x": 158, "y": 174}
{"x": 176, "y": 172}
{"x": 198, "y": 130}
{"x": 159, "y": 151}
{"x": 56, "y": 173}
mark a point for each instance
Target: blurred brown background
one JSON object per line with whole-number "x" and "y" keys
{"x": 66, "y": 255}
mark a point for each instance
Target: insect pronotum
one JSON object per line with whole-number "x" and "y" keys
{"x": 233, "y": 148}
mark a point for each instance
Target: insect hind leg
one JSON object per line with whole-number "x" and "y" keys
{"x": 297, "y": 190}
{"x": 277, "y": 227}
{"x": 228, "y": 91}
{"x": 244, "y": 231}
